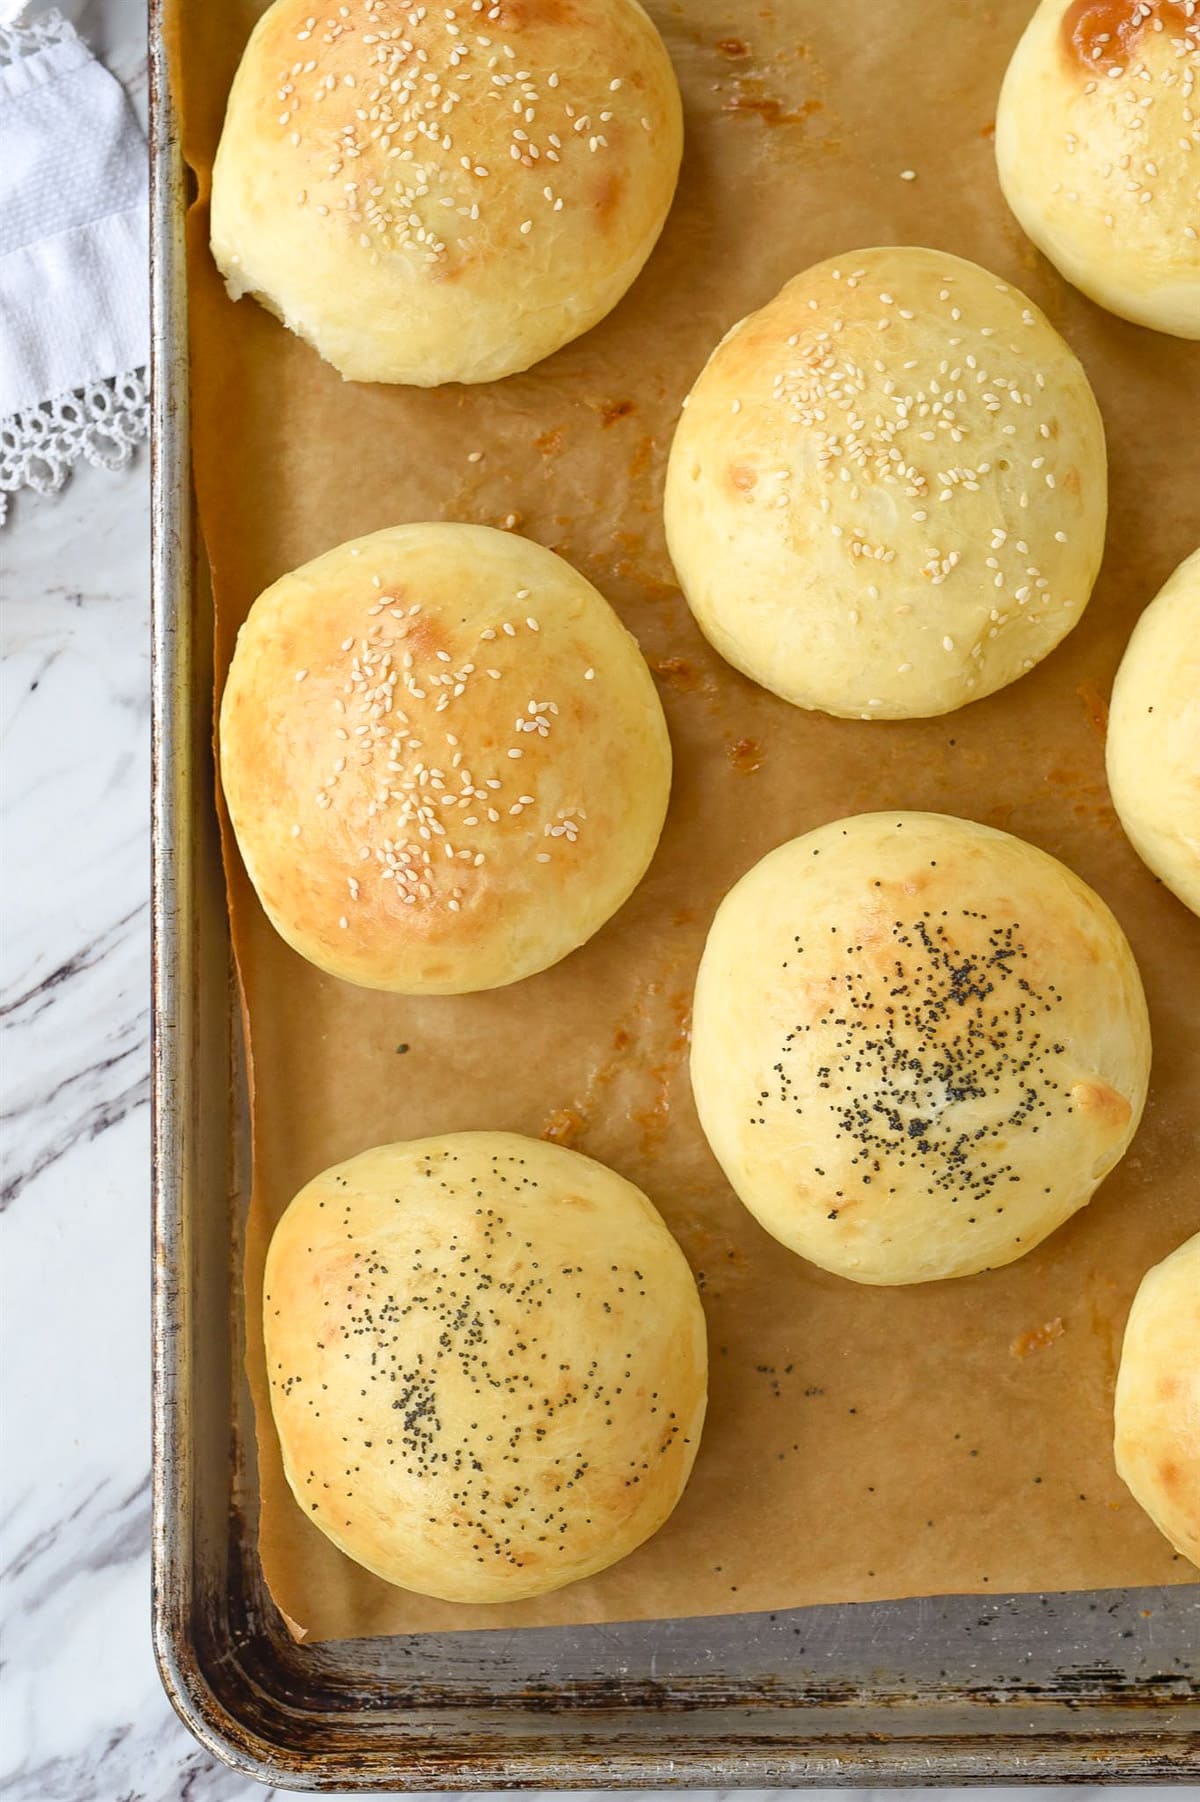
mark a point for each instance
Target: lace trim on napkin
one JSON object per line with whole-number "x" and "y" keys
{"x": 17, "y": 41}
{"x": 102, "y": 423}
{"x": 40, "y": 445}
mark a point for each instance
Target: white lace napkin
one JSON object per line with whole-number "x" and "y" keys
{"x": 74, "y": 330}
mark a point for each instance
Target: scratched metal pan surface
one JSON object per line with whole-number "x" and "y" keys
{"x": 1041, "y": 1688}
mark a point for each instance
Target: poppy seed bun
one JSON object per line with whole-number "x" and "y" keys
{"x": 887, "y": 493}
{"x": 918, "y": 1045}
{"x": 1158, "y": 1398}
{"x": 487, "y": 1364}
{"x": 1154, "y": 735}
{"x": 444, "y": 193}
{"x": 444, "y": 758}
{"x": 1098, "y": 149}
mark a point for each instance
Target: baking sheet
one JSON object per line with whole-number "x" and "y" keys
{"x": 860, "y": 1443}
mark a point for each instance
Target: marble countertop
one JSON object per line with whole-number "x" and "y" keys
{"x": 84, "y": 1718}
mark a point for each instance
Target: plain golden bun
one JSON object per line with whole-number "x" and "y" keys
{"x": 487, "y": 1364}
{"x": 444, "y": 758}
{"x": 918, "y": 1045}
{"x": 1098, "y": 148}
{"x": 444, "y": 193}
{"x": 887, "y": 492}
{"x": 1154, "y": 735}
{"x": 1158, "y": 1398}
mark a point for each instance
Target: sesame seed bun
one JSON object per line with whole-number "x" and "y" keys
{"x": 444, "y": 193}
{"x": 1158, "y": 1398}
{"x": 444, "y": 758}
{"x": 1154, "y": 735}
{"x": 1098, "y": 150}
{"x": 887, "y": 492}
{"x": 918, "y": 1045}
{"x": 487, "y": 1364}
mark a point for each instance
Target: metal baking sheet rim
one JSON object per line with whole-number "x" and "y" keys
{"x": 1088, "y": 1707}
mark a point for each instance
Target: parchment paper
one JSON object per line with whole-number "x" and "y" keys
{"x": 860, "y": 1442}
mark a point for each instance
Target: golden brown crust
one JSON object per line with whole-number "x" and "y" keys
{"x": 444, "y": 758}
{"x": 887, "y": 493}
{"x": 1099, "y": 35}
{"x": 1153, "y": 750}
{"x": 918, "y": 1045}
{"x": 1098, "y": 150}
{"x": 487, "y": 1364}
{"x": 445, "y": 193}
{"x": 1158, "y": 1398}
